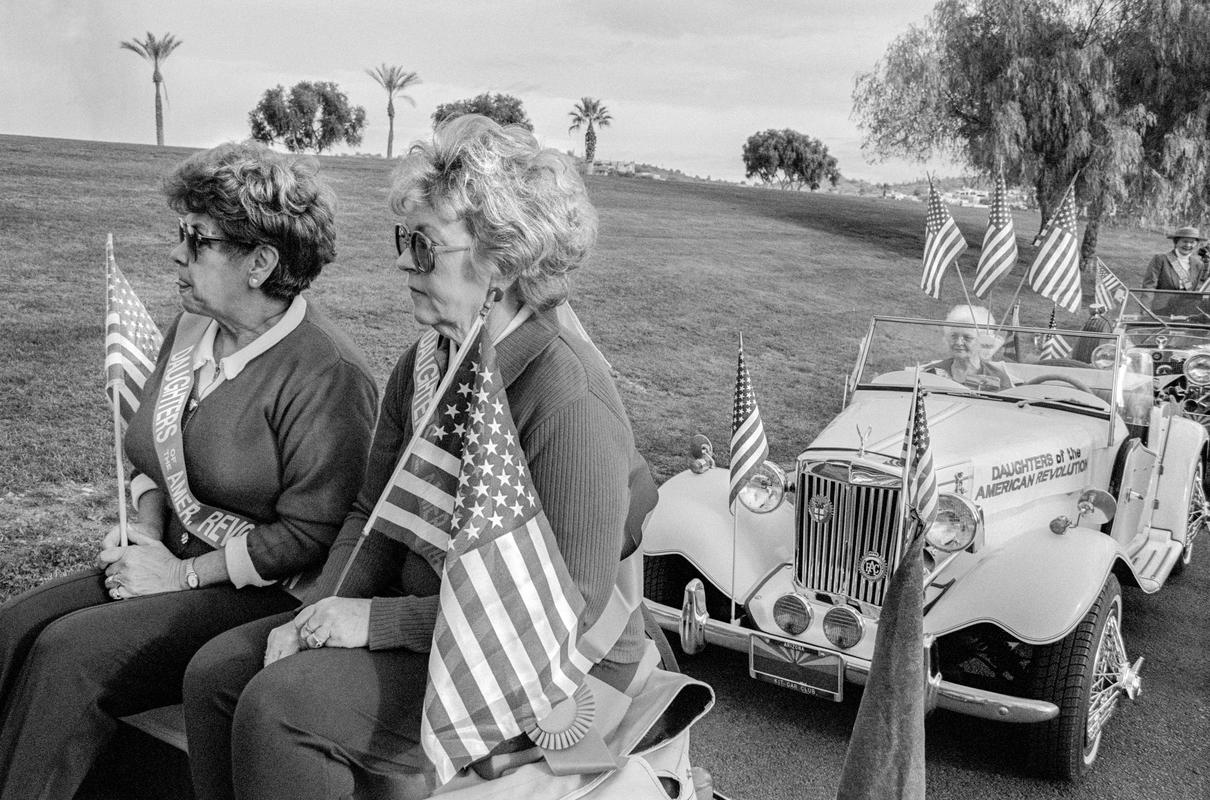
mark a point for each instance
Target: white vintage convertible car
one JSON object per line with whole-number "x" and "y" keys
{"x": 1054, "y": 492}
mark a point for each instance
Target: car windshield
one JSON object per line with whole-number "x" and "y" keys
{"x": 1082, "y": 369}
{"x": 1164, "y": 308}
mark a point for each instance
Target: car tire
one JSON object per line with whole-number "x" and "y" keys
{"x": 1066, "y": 673}
{"x": 1197, "y": 517}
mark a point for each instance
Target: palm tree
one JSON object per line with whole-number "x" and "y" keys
{"x": 589, "y": 111}
{"x": 155, "y": 51}
{"x": 394, "y": 79}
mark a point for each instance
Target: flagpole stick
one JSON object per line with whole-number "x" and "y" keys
{"x": 121, "y": 466}
{"x": 1009, "y": 307}
{"x": 446, "y": 380}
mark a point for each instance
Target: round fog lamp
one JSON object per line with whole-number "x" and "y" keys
{"x": 956, "y": 524}
{"x": 764, "y": 489}
{"x": 1197, "y": 369}
{"x": 792, "y": 614}
{"x": 843, "y": 627}
{"x": 1104, "y": 355}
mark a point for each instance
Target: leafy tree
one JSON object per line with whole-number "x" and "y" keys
{"x": 503, "y": 108}
{"x": 589, "y": 112}
{"x": 1106, "y": 93}
{"x": 394, "y": 79}
{"x": 156, "y": 51}
{"x": 314, "y": 116}
{"x": 791, "y": 159}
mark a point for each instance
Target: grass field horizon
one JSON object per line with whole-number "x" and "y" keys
{"x": 680, "y": 270}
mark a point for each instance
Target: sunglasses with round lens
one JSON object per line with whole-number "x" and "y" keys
{"x": 423, "y": 249}
{"x": 188, "y": 233}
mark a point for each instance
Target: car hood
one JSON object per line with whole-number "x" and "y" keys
{"x": 983, "y": 448}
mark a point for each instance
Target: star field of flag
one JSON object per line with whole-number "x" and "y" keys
{"x": 749, "y": 447}
{"x": 504, "y": 647}
{"x": 943, "y": 243}
{"x": 999, "y": 254}
{"x": 1055, "y": 272}
{"x": 132, "y": 340}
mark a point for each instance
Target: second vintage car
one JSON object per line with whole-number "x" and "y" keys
{"x": 1060, "y": 480}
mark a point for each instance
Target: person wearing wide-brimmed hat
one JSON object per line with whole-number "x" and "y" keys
{"x": 1178, "y": 269}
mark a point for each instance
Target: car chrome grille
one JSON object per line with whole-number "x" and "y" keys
{"x": 862, "y": 519}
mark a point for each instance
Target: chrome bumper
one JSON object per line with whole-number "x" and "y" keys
{"x": 697, "y": 630}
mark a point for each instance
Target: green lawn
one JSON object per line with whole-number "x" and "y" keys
{"x": 680, "y": 271}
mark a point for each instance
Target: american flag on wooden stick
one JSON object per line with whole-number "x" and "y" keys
{"x": 920, "y": 483}
{"x": 1055, "y": 273}
{"x": 999, "y": 254}
{"x": 1056, "y": 345}
{"x": 943, "y": 243}
{"x": 505, "y": 647}
{"x": 1109, "y": 288}
{"x": 749, "y": 447}
{"x": 132, "y": 340}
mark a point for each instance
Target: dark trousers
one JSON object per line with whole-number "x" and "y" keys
{"x": 317, "y": 724}
{"x": 72, "y": 660}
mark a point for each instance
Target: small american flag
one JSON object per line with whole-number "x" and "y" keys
{"x": 921, "y": 479}
{"x": 132, "y": 340}
{"x": 1109, "y": 288}
{"x": 749, "y": 447}
{"x": 999, "y": 253}
{"x": 1055, "y": 273}
{"x": 505, "y": 643}
{"x": 1056, "y": 345}
{"x": 943, "y": 243}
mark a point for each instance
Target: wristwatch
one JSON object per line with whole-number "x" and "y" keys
{"x": 191, "y": 578}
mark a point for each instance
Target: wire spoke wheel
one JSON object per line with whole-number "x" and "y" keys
{"x": 1198, "y": 519}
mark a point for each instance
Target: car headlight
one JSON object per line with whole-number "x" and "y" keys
{"x": 792, "y": 614}
{"x": 1197, "y": 369}
{"x": 1104, "y": 356}
{"x": 843, "y": 627}
{"x": 956, "y": 525}
{"x": 764, "y": 489}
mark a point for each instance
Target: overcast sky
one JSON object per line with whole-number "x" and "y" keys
{"x": 686, "y": 81}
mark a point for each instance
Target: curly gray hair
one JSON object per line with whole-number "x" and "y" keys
{"x": 525, "y": 205}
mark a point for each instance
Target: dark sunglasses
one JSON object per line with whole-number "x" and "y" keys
{"x": 423, "y": 249}
{"x": 189, "y": 233}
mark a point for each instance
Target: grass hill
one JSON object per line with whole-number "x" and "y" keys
{"x": 680, "y": 270}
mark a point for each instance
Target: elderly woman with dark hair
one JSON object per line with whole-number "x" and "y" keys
{"x": 248, "y": 445}
{"x": 313, "y": 706}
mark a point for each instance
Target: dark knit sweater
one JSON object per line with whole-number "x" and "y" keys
{"x": 283, "y": 443}
{"x": 577, "y": 440}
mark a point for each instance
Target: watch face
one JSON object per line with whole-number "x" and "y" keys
{"x": 192, "y": 580}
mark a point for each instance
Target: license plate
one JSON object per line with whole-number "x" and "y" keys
{"x": 795, "y": 666}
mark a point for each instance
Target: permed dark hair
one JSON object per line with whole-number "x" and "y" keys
{"x": 524, "y": 204}
{"x": 260, "y": 197}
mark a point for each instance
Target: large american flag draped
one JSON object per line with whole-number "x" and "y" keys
{"x": 999, "y": 253}
{"x": 1055, "y": 273}
{"x": 921, "y": 477}
{"x": 749, "y": 447}
{"x": 1056, "y": 345}
{"x": 505, "y": 644}
{"x": 943, "y": 243}
{"x": 132, "y": 340}
{"x": 1109, "y": 288}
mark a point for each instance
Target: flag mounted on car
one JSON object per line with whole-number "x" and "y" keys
{"x": 943, "y": 243}
{"x": 1055, "y": 272}
{"x": 749, "y": 447}
{"x": 999, "y": 254}
{"x": 1056, "y": 345}
{"x": 1109, "y": 288}
{"x": 132, "y": 341}
{"x": 885, "y": 757}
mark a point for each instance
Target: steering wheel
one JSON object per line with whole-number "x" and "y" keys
{"x": 1054, "y": 376}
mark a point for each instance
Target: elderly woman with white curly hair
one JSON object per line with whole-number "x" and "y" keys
{"x": 317, "y": 704}
{"x": 971, "y": 340}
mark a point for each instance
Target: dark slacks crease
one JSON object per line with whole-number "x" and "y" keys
{"x": 318, "y": 724}
{"x": 72, "y": 661}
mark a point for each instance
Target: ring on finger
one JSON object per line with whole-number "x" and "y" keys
{"x": 115, "y": 593}
{"x": 314, "y": 641}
